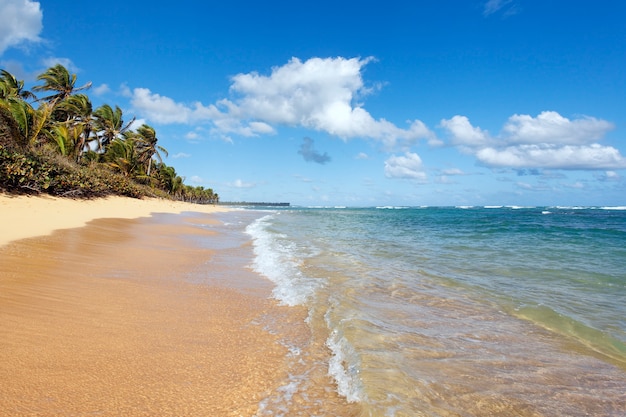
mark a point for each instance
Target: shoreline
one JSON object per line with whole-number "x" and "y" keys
{"x": 30, "y": 216}
{"x": 108, "y": 318}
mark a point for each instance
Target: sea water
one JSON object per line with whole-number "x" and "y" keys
{"x": 451, "y": 311}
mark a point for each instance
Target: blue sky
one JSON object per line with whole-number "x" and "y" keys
{"x": 473, "y": 102}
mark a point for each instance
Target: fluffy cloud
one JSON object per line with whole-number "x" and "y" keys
{"x": 319, "y": 94}
{"x": 547, "y": 141}
{"x": 464, "y": 134}
{"x": 408, "y": 166}
{"x": 21, "y": 22}
{"x": 587, "y": 157}
{"x": 551, "y": 127}
{"x": 161, "y": 109}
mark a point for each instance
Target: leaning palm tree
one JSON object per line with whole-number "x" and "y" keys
{"x": 147, "y": 146}
{"x": 58, "y": 80}
{"x": 24, "y": 122}
{"x": 109, "y": 124}
{"x": 76, "y": 112}
{"x": 122, "y": 156}
{"x": 67, "y": 138}
{"x": 11, "y": 87}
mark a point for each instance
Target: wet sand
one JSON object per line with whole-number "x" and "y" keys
{"x": 100, "y": 320}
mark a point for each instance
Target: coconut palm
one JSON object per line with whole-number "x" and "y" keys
{"x": 121, "y": 155}
{"x": 67, "y": 139}
{"x": 11, "y": 87}
{"x": 58, "y": 80}
{"x": 146, "y": 143}
{"x": 109, "y": 124}
{"x": 76, "y": 112}
{"x": 24, "y": 122}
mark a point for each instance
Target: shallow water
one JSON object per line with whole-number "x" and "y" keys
{"x": 449, "y": 311}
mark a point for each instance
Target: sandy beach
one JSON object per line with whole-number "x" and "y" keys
{"x": 26, "y": 216}
{"x": 95, "y": 320}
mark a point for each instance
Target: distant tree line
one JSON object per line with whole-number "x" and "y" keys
{"x": 60, "y": 145}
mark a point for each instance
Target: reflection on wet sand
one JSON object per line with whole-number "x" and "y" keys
{"x": 96, "y": 321}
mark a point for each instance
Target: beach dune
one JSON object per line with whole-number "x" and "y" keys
{"x": 100, "y": 320}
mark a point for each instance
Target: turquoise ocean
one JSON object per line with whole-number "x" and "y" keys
{"x": 448, "y": 311}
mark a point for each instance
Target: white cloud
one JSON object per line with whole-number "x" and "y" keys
{"x": 101, "y": 89}
{"x": 181, "y": 155}
{"x": 319, "y": 94}
{"x": 161, "y": 109}
{"x": 137, "y": 123}
{"x": 551, "y": 127}
{"x": 610, "y": 176}
{"x": 587, "y": 157}
{"x": 241, "y": 184}
{"x": 21, "y": 22}
{"x": 55, "y": 60}
{"x": 408, "y": 166}
{"x": 463, "y": 133}
{"x": 548, "y": 140}
{"x": 362, "y": 155}
{"x": 164, "y": 110}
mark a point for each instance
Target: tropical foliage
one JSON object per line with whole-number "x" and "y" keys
{"x": 59, "y": 144}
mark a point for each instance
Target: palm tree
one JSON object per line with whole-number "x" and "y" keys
{"x": 67, "y": 138}
{"x": 109, "y": 124}
{"x": 147, "y": 146}
{"x": 24, "y": 122}
{"x": 122, "y": 156}
{"x": 11, "y": 87}
{"x": 58, "y": 80}
{"x": 77, "y": 113}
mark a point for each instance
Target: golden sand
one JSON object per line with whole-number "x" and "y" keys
{"x": 25, "y": 216}
{"x": 97, "y": 320}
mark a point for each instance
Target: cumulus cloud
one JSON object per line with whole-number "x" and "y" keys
{"x": 587, "y": 157}
{"x": 21, "y": 22}
{"x": 161, "y": 109}
{"x": 408, "y": 166}
{"x": 464, "y": 134}
{"x": 308, "y": 152}
{"x": 551, "y": 127}
{"x": 548, "y": 140}
{"x": 164, "y": 110}
{"x": 320, "y": 94}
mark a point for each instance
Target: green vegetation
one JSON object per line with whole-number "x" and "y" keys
{"x": 60, "y": 145}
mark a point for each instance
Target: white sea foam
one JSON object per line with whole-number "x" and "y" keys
{"x": 276, "y": 259}
{"x": 520, "y": 207}
{"x": 346, "y": 378}
{"x": 613, "y": 208}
